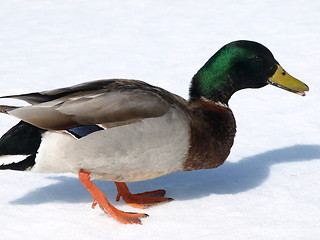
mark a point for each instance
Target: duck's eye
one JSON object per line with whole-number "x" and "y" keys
{"x": 257, "y": 59}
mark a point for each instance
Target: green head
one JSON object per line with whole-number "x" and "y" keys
{"x": 239, "y": 65}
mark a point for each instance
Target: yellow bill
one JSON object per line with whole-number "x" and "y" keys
{"x": 284, "y": 80}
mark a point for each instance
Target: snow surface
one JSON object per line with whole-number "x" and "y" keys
{"x": 268, "y": 188}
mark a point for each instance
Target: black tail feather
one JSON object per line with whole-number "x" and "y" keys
{"x": 23, "y": 139}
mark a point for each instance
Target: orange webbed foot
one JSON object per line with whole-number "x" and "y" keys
{"x": 100, "y": 199}
{"x": 141, "y": 200}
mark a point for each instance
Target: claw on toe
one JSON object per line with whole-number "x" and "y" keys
{"x": 93, "y": 205}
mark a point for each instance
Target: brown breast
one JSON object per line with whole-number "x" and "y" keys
{"x": 213, "y": 129}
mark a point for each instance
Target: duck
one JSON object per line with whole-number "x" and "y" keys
{"x": 124, "y": 130}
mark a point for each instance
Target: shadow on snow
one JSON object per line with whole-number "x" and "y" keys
{"x": 230, "y": 178}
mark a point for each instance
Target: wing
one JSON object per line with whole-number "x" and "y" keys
{"x": 105, "y": 102}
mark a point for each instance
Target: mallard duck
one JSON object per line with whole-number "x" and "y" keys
{"x": 127, "y": 130}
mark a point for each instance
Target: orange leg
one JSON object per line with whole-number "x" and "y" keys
{"x": 140, "y": 200}
{"x": 101, "y": 199}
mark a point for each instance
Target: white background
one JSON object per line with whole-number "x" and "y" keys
{"x": 268, "y": 188}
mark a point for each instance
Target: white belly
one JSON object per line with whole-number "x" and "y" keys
{"x": 134, "y": 152}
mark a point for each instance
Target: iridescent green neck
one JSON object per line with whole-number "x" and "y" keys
{"x": 214, "y": 80}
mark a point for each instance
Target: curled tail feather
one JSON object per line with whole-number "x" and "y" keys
{"x": 6, "y": 108}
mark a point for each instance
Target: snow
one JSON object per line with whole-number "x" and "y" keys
{"x": 268, "y": 188}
